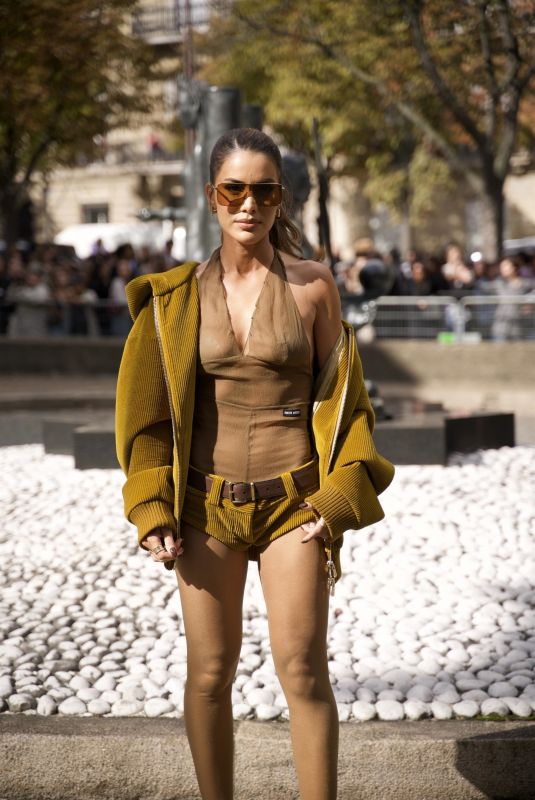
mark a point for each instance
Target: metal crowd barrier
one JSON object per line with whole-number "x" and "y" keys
{"x": 432, "y": 317}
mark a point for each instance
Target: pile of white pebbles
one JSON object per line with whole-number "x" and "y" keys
{"x": 434, "y": 616}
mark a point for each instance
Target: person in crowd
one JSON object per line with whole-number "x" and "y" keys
{"x": 31, "y": 299}
{"x": 508, "y": 317}
{"x": 455, "y": 270}
{"x": 120, "y": 320}
{"x": 225, "y": 358}
{"x": 100, "y": 275}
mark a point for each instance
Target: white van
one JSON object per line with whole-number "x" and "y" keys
{"x": 152, "y": 234}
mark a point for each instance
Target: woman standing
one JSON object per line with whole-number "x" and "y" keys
{"x": 244, "y": 429}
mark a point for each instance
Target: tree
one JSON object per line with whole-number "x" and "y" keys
{"x": 460, "y": 75}
{"x": 68, "y": 73}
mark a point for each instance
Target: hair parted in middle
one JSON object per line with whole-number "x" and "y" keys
{"x": 284, "y": 235}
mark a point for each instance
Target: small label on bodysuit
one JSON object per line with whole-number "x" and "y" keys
{"x": 291, "y": 412}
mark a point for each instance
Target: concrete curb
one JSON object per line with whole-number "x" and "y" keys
{"x": 82, "y": 758}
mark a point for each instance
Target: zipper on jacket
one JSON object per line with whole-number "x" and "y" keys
{"x": 169, "y": 396}
{"x": 341, "y": 406}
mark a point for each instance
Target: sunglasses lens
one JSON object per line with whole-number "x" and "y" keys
{"x": 230, "y": 193}
{"x": 265, "y": 194}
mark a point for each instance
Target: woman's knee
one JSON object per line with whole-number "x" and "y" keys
{"x": 211, "y": 676}
{"x": 304, "y": 675}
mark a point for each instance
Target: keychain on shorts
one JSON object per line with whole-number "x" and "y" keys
{"x": 331, "y": 571}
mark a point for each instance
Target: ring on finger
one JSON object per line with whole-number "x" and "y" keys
{"x": 158, "y": 549}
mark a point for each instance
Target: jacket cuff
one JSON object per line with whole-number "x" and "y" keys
{"x": 150, "y": 515}
{"x": 335, "y": 510}
{"x": 347, "y": 500}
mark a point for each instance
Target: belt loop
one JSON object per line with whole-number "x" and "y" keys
{"x": 214, "y": 495}
{"x": 289, "y": 485}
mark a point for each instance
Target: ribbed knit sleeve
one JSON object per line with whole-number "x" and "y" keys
{"x": 347, "y": 497}
{"x": 143, "y": 430}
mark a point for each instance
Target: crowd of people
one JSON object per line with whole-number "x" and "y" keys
{"x": 48, "y": 291}
{"x": 420, "y": 274}
{"x": 51, "y": 292}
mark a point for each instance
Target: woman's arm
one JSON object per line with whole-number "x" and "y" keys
{"x": 143, "y": 430}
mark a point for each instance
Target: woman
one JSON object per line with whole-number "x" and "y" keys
{"x": 243, "y": 427}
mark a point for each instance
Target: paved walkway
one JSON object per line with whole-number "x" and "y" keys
{"x": 143, "y": 759}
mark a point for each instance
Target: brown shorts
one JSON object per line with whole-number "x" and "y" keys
{"x": 248, "y": 526}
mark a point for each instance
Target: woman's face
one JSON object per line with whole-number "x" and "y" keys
{"x": 246, "y": 221}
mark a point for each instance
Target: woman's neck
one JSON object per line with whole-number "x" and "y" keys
{"x": 236, "y": 257}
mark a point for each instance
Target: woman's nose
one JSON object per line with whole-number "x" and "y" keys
{"x": 249, "y": 202}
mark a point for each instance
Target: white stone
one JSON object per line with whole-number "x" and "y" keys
{"x": 518, "y": 706}
{"x": 441, "y": 710}
{"x": 88, "y": 694}
{"x": 391, "y": 694}
{"x": 105, "y": 683}
{"x": 20, "y": 702}
{"x": 363, "y": 711}
{"x": 110, "y": 696}
{"x": 72, "y": 706}
{"x": 265, "y": 711}
{"x": 157, "y": 706}
{"x": 125, "y": 708}
{"x": 257, "y": 696}
{"x": 133, "y": 693}
{"x": 415, "y": 709}
{"x": 422, "y": 693}
{"x": 449, "y": 696}
{"x": 494, "y": 706}
{"x": 502, "y": 689}
{"x": 344, "y": 711}
{"x": 475, "y": 694}
{"x": 6, "y": 687}
{"x": 241, "y": 711}
{"x": 46, "y": 706}
{"x": 366, "y": 695}
{"x": 79, "y": 682}
{"x": 389, "y": 710}
{"x": 466, "y": 708}
{"x": 343, "y": 696}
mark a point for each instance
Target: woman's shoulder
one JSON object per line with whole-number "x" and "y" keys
{"x": 308, "y": 272}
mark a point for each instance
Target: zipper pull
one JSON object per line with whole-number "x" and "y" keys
{"x": 331, "y": 572}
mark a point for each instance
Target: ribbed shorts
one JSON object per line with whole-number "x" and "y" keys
{"x": 248, "y": 526}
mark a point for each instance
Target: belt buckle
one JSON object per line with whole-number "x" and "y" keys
{"x": 234, "y": 500}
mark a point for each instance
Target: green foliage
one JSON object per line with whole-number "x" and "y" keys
{"x": 68, "y": 71}
{"x": 448, "y": 84}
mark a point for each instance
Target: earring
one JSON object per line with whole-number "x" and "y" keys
{"x": 278, "y": 212}
{"x": 214, "y": 210}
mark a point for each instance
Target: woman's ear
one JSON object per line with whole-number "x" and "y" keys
{"x": 210, "y": 192}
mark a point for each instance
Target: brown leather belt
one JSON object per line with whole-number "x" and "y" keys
{"x": 240, "y": 492}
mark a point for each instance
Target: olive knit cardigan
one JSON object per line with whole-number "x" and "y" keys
{"x": 154, "y": 415}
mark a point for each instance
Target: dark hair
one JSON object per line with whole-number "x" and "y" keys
{"x": 284, "y": 235}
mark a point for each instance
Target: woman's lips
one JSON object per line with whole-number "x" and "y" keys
{"x": 247, "y": 223}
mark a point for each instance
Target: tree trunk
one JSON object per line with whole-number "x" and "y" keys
{"x": 9, "y": 214}
{"x": 494, "y": 207}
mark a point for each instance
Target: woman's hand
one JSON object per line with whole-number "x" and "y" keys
{"x": 162, "y": 545}
{"x": 314, "y": 530}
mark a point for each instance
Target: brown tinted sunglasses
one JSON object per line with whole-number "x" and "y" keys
{"x": 265, "y": 194}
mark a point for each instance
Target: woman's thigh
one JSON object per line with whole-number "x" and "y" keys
{"x": 294, "y": 583}
{"x": 211, "y": 581}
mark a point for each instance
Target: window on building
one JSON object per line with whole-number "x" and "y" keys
{"x": 95, "y": 213}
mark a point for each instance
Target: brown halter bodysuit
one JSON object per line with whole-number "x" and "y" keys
{"x": 251, "y": 407}
{"x": 251, "y": 418}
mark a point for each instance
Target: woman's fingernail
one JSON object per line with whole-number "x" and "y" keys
{"x": 172, "y": 550}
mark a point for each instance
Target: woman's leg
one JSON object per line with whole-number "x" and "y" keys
{"x": 295, "y": 589}
{"x": 211, "y": 581}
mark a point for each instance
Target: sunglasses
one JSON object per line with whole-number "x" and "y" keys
{"x": 265, "y": 194}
